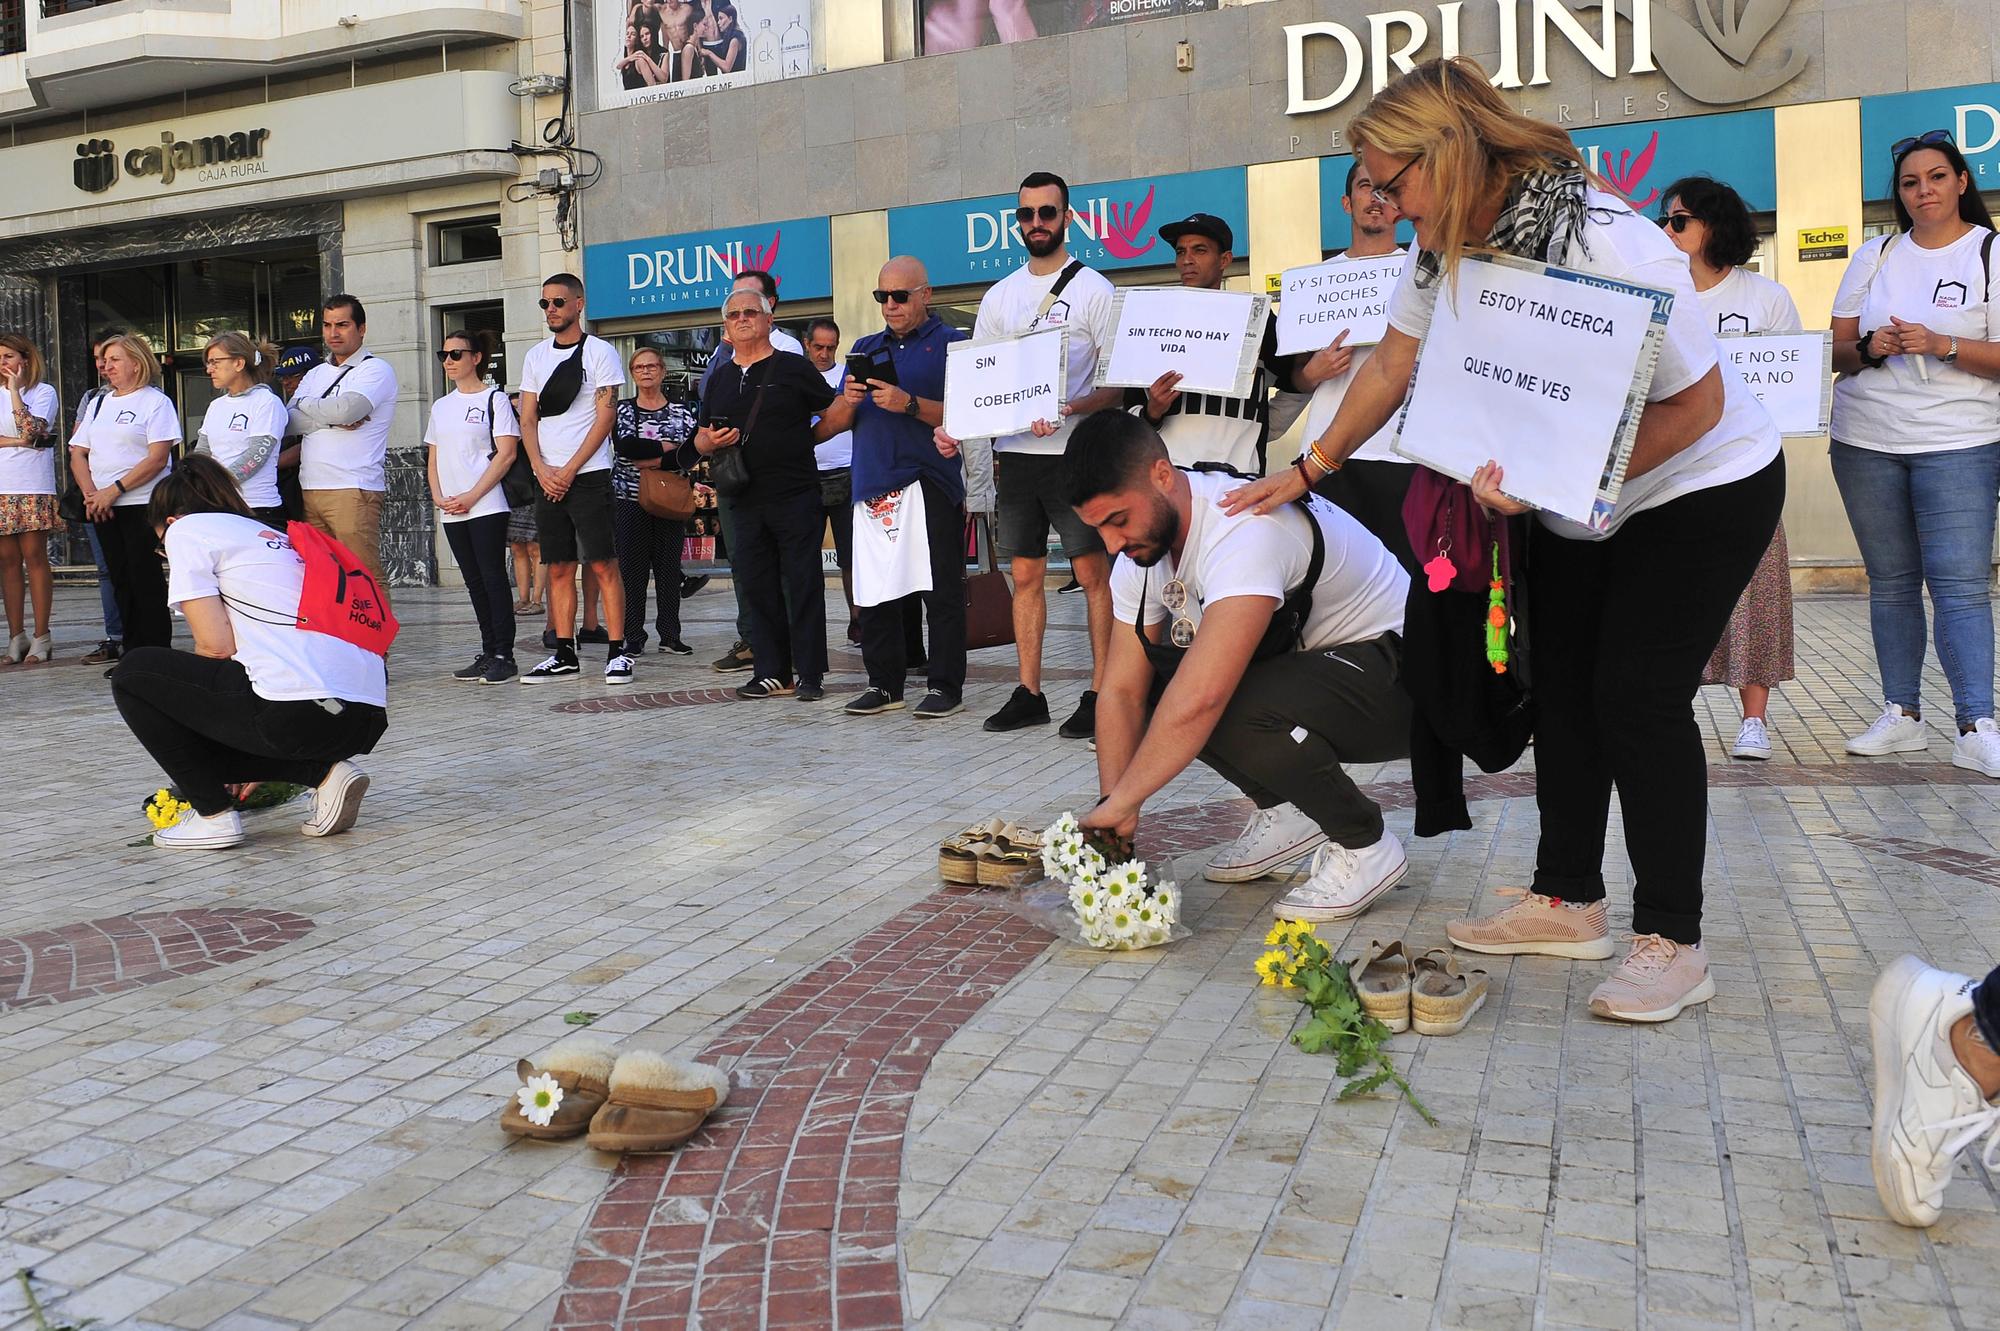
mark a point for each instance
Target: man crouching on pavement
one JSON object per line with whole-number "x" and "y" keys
{"x": 1270, "y": 651}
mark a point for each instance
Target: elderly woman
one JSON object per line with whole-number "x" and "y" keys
{"x": 245, "y": 425}
{"x": 763, "y": 403}
{"x": 117, "y": 456}
{"x": 1623, "y": 620}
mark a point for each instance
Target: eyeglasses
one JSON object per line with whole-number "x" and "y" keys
{"x": 1048, "y": 212}
{"x": 743, "y": 314}
{"x": 455, "y": 353}
{"x": 1928, "y": 139}
{"x": 1175, "y": 598}
{"x": 558, "y": 303}
{"x": 1386, "y": 191}
{"x": 1677, "y": 222}
{"x": 901, "y": 295}
{"x": 211, "y": 362}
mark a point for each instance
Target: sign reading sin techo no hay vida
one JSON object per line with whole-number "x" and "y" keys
{"x": 1209, "y": 338}
{"x": 1004, "y": 385}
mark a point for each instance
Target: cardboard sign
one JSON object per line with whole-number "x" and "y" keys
{"x": 1543, "y": 370}
{"x": 1791, "y": 374}
{"x": 1004, "y": 385}
{"x": 1320, "y": 299}
{"x": 1211, "y": 338}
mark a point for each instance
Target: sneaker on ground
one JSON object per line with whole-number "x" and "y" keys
{"x": 1537, "y": 925}
{"x": 1753, "y": 741}
{"x": 1657, "y": 979}
{"x": 873, "y": 702}
{"x": 1276, "y": 837}
{"x": 1895, "y": 731}
{"x": 1345, "y": 882}
{"x": 198, "y": 832}
{"x": 739, "y": 657}
{"x": 556, "y": 667}
{"x": 107, "y": 651}
{"x": 1022, "y": 709}
{"x": 937, "y": 703}
{"x": 499, "y": 670}
{"x": 337, "y": 800}
{"x": 758, "y": 689}
{"x": 1068, "y": 587}
{"x": 618, "y": 670}
{"x": 477, "y": 670}
{"x": 1927, "y": 1108}
{"x": 809, "y": 690}
{"x": 594, "y": 636}
{"x": 1082, "y": 723}
{"x": 1978, "y": 749}
{"x": 675, "y": 647}
{"x": 691, "y": 585}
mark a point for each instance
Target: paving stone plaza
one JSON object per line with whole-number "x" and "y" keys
{"x": 261, "y": 1088}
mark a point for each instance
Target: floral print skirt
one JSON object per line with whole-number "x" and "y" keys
{"x": 1756, "y": 648}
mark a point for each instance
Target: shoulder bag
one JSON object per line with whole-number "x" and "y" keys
{"x": 519, "y": 485}
{"x": 729, "y": 468}
{"x": 989, "y": 598}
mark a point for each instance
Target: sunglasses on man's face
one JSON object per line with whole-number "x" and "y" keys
{"x": 1928, "y": 139}
{"x": 1677, "y": 222}
{"x": 1048, "y": 212}
{"x": 900, "y": 295}
{"x": 556, "y": 304}
{"x": 455, "y": 353}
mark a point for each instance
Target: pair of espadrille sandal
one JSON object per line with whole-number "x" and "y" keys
{"x": 1432, "y": 995}
{"x": 995, "y": 853}
{"x": 635, "y": 1102}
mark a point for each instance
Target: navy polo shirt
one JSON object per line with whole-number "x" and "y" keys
{"x": 892, "y": 450}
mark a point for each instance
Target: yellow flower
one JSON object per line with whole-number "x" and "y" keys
{"x": 1270, "y": 967}
{"x": 1278, "y": 937}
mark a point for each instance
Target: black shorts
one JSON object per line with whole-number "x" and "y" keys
{"x": 1031, "y": 500}
{"x": 578, "y": 527}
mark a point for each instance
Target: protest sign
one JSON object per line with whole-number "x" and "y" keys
{"x": 1003, "y": 385}
{"x": 1542, "y": 369}
{"x": 1211, "y": 338}
{"x": 1317, "y": 301}
{"x": 1791, "y": 374}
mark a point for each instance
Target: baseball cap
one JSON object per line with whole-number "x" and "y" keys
{"x": 1200, "y": 224}
{"x": 297, "y": 360}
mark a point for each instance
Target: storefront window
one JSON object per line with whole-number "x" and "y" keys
{"x": 473, "y": 240}
{"x": 212, "y": 296}
{"x": 489, "y": 317}
{"x": 130, "y": 298}
{"x": 960, "y": 25}
{"x": 293, "y": 312}
{"x": 660, "y": 49}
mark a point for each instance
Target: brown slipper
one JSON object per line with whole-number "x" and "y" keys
{"x": 1013, "y": 858}
{"x": 1442, "y": 998}
{"x": 959, "y": 853}
{"x": 580, "y": 1066}
{"x": 656, "y": 1102}
{"x": 1381, "y": 976}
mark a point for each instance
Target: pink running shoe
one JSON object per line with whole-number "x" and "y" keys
{"x": 1540, "y": 925}
{"x": 1657, "y": 979}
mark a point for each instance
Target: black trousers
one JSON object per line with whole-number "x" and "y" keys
{"x": 1296, "y": 719}
{"x": 777, "y": 565}
{"x": 892, "y": 634}
{"x": 480, "y": 547}
{"x": 1622, "y": 628}
{"x": 648, "y": 548}
{"x": 131, "y": 557}
{"x": 207, "y": 729}
{"x": 1372, "y": 493}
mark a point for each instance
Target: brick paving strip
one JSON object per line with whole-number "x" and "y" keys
{"x": 120, "y": 952}
{"x": 784, "y": 1211}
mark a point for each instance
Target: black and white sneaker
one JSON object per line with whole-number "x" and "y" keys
{"x": 809, "y": 690}
{"x": 499, "y": 670}
{"x": 937, "y": 703}
{"x": 618, "y": 670}
{"x": 475, "y": 671}
{"x": 873, "y": 702}
{"x": 556, "y": 667}
{"x": 758, "y": 689}
{"x": 675, "y": 647}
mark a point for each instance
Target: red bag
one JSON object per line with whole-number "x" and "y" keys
{"x": 340, "y": 597}
{"x": 1451, "y": 535}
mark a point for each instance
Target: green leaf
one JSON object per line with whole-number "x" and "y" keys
{"x": 580, "y": 1018}
{"x": 1315, "y": 1036}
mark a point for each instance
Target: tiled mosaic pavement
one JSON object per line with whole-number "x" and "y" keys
{"x": 942, "y": 1118}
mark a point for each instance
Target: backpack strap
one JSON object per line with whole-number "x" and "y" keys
{"x": 492, "y": 443}
{"x": 1069, "y": 271}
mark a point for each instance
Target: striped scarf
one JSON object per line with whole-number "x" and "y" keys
{"x": 1543, "y": 216}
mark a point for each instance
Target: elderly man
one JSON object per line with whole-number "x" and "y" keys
{"x": 909, "y": 530}
{"x": 1267, "y": 645}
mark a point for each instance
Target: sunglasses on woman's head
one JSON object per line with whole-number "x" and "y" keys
{"x": 455, "y": 353}
{"x": 1048, "y": 212}
{"x": 1677, "y": 222}
{"x": 1928, "y": 139}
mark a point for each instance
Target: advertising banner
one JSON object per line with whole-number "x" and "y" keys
{"x": 665, "y": 274}
{"x": 1972, "y": 114}
{"x": 960, "y": 25}
{"x": 651, "y": 50}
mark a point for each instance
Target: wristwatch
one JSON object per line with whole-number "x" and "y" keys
{"x": 1951, "y": 357}
{"x": 911, "y": 407}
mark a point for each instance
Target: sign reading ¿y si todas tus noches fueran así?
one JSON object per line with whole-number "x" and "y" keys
{"x": 694, "y": 271}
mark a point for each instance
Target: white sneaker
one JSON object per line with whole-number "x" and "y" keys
{"x": 1276, "y": 837}
{"x": 1978, "y": 748}
{"x": 1752, "y": 740}
{"x": 618, "y": 670}
{"x": 1927, "y": 1109}
{"x": 337, "y": 800}
{"x": 197, "y": 832}
{"x": 1345, "y": 882}
{"x": 1895, "y": 731}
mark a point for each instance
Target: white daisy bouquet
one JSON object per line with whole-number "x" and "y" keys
{"x": 1116, "y": 906}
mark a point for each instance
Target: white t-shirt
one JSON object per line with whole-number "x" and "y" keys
{"x": 838, "y": 451}
{"x": 1325, "y": 404}
{"x": 464, "y": 442}
{"x": 1745, "y": 302}
{"x": 29, "y": 471}
{"x": 1012, "y": 306}
{"x": 1897, "y": 409}
{"x": 1361, "y": 587}
{"x": 119, "y": 432}
{"x": 1618, "y": 243}
{"x": 337, "y": 458}
{"x": 559, "y": 437}
{"x": 230, "y": 425}
{"x": 259, "y": 578}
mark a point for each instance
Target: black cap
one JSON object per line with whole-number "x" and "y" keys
{"x": 1201, "y": 224}
{"x": 297, "y": 360}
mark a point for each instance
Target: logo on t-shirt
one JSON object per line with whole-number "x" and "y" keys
{"x": 1949, "y": 295}
{"x": 1733, "y": 323}
{"x": 126, "y": 418}
{"x": 475, "y": 415}
{"x": 1057, "y": 316}
{"x": 239, "y": 421}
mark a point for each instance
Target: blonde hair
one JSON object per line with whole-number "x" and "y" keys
{"x": 31, "y": 357}
{"x": 259, "y": 358}
{"x": 138, "y": 353}
{"x": 1473, "y": 145}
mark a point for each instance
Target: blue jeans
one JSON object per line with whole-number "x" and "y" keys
{"x": 1926, "y": 519}
{"x": 107, "y": 599}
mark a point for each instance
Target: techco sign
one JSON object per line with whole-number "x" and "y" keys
{"x": 1716, "y": 63}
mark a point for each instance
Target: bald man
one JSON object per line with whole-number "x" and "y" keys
{"x": 904, "y": 486}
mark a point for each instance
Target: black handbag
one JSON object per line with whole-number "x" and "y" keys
{"x": 519, "y": 485}
{"x": 729, "y": 468}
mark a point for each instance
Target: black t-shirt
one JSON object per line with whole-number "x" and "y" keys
{"x": 780, "y": 446}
